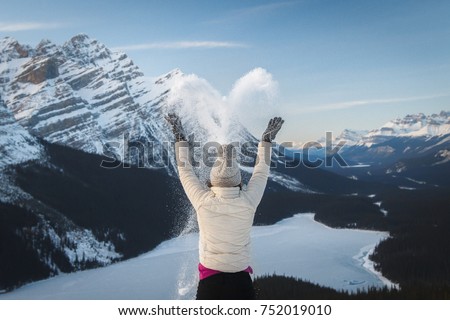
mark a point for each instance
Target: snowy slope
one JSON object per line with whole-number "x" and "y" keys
{"x": 52, "y": 232}
{"x": 297, "y": 246}
{"x": 16, "y": 144}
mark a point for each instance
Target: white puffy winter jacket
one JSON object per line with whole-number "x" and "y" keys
{"x": 225, "y": 215}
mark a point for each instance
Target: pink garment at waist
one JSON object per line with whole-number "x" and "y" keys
{"x": 206, "y": 272}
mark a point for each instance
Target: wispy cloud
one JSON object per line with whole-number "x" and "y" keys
{"x": 246, "y": 13}
{"x": 361, "y": 103}
{"x": 26, "y": 26}
{"x": 180, "y": 45}
{"x": 266, "y": 7}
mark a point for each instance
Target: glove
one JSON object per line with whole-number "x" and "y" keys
{"x": 177, "y": 127}
{"x": 272, "y": 129}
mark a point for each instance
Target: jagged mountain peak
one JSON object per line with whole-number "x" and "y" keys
{"x": 11, "y": 49}
{"x": 80, "y": 38}
{"x": 352, "y": 136}
{"x": 6, "y": 42}
{"x": 171, "y": 75}
{"x": 85, "y": 49}
{"x": 444, "y": 114}
{"x": 45, "y": 47}
{"x": 420, "y": 117}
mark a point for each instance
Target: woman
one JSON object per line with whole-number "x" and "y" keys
{"x": 225, "y": 214}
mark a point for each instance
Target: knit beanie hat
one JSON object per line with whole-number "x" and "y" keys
{"x": 225, "y": 172}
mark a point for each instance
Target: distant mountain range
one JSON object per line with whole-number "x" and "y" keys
{"x": 414, "y": 125}
{"x": 65, "y": 109}
{"x": 412, "y": 152}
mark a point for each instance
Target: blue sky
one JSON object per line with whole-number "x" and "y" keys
{"x": 338, "y": 64}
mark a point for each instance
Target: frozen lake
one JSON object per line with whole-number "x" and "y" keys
{"x": 297, "y": 246}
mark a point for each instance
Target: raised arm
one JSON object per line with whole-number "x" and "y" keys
{"x": 192, "y": 186}
{"x": 258, "y": 181}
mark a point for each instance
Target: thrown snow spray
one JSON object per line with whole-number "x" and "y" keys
{"x": 186, "y": 276}
{"x": 201, "y": 108}
{"x": 213, "y": 117}
{"x": 187, "y": 279}
{"x": 254, "y": 99}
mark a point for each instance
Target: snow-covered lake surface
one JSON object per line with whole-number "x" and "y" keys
{"x": 297, "y": 246}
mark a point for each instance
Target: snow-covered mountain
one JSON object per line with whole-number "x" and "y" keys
{"x": 413, "y": 135}
{"x": 351, "y": 137}
{"x": 54, "y": 241}
{"x": 85, "y": 96}
{"x": 80, "y": 94}
{"x": 415, "y": 125}
{"x": 411, "y": 126}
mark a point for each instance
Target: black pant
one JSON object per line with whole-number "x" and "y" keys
{"x": 226, "y": 286}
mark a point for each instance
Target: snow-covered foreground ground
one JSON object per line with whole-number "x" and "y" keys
{"x": 298, "y": 246}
